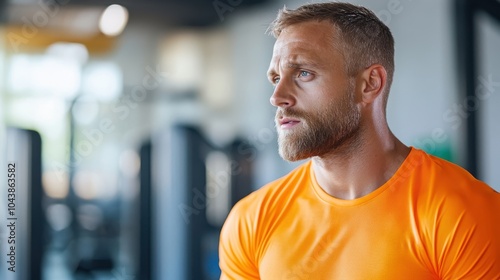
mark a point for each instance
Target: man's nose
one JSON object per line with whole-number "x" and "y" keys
{"x": 283, "y": 95}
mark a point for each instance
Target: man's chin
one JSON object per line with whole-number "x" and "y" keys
{"x": 292, "y": 156}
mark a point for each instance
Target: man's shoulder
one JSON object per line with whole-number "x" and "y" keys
{"x": 450, "y": 183}
{"x": 440, "y": 170}
{"x": 260, "y": 210}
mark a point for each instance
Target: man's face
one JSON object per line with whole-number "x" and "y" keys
{"x": 315, "y": 98}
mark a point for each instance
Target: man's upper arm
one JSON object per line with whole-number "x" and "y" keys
{"x": 236, "y": 258}
{"x": 467, "y": 238}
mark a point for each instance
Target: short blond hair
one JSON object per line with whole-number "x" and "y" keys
{"x": 364, "y": 38}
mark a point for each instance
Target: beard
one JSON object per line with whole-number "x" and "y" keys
{"x": 319, "y": 132}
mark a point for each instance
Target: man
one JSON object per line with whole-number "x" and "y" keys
{"x": 365, "y": 206}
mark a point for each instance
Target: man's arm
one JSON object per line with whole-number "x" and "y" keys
{"x": 466, "y": 237}
{"x": 236, "y": 254}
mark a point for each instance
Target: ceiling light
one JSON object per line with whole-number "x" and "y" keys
{"x": 113, "y": 20}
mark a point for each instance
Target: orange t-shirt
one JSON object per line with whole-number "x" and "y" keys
{"x": 431, "y": 220}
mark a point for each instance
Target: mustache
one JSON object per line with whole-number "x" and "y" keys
{"x": 289, "y": 113}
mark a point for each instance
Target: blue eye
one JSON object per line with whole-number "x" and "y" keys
{"x": 304, "y": 73}
{"x": 276, "y": 80}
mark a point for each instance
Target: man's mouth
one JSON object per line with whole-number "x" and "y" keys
{"x": 288, "y": 122}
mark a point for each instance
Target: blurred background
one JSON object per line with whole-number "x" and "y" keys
{"x": 136, "y": 125}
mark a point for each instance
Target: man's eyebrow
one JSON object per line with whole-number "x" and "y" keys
{"x": 302, "y": 61}
{"x": 300, "y": 64}
{"x": 293, "y": 63}
{"x": 271, "y": 73}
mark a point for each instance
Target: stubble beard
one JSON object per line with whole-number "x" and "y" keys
{"x": 319, "y": 133}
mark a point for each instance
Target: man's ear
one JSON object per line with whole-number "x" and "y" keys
{"x": 373, "y": 81}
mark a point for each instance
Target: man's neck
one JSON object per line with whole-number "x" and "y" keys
{"x": 360, "y": 168}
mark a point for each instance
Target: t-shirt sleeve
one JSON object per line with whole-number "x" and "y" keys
{"x": 466, "y": 236}
{"x": 236, "y": 257}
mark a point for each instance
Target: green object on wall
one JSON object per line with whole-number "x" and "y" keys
{"x": 442, "y": 149}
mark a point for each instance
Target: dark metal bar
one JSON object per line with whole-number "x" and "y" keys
{"x": 467, "y": 77}
{"x": 241, "y": 176}
{"x": 37, "y": 217}
{"x": 145, "y": 218}
{"x": 195, "y": 173}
